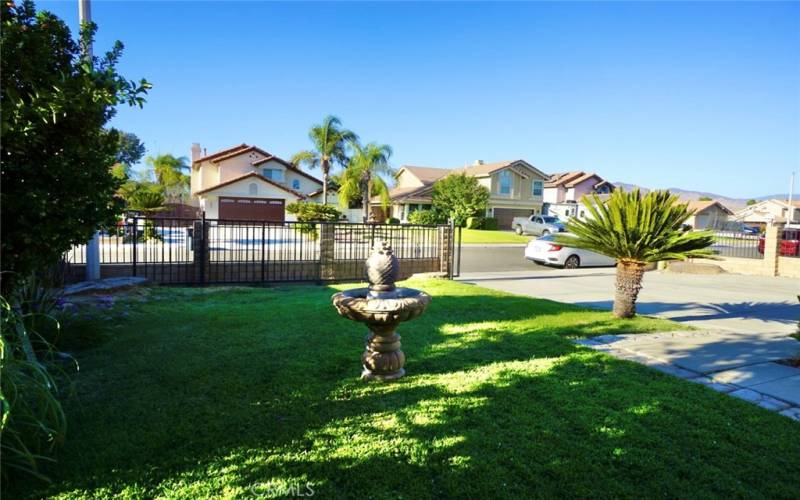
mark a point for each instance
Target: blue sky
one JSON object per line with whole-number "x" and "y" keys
{"x": 702, "y": 96}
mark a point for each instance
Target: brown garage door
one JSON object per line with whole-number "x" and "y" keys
{"x": 251, "y": 208}
{"x": 504, "y": 216}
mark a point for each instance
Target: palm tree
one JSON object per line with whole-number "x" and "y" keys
{"x": 635, "y": 229}
{"x": 330, "y": 143}
{"x": 169, "y": 173}
{"x": 362, "y": 176}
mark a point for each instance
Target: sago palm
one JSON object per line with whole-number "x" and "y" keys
{"x": 636, "y": 230}
{"x": 363, "y": 175}
{"x": 330, "y": 142}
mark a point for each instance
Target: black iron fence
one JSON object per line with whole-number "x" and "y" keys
{"x": 198, "y": 251}
{"x": 738, "y": 244}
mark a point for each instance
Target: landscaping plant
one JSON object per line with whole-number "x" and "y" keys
{"x": 425, "y": 217}
{"x": 363, "y": 175}
{"x": 460, "y": 196}
{"x": 330, "y": 142}
{"x": 636, "y": 230}
{"x": 56, "y": 156}
{"x": 33, "y": 421}
{"x": 309, "y": 212}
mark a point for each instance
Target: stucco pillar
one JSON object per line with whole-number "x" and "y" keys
{"x": 772, "y": 245}
{"x": 327, "y": 251}
{"x": 202, "y": 259}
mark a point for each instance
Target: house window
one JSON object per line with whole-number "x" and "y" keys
{"x": 252, "y": 189}
{"x": 505, "y": 181}
{"x": 537, "y": 188}
{"x": 295, "y": 184}
{"x": 273, "y": 174}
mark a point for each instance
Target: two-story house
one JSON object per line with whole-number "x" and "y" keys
{"x": 247, "y": 183}
{"x": 768, "y": 212}
{"x": 516, "y": 189}
{"x": 563, "y": 192}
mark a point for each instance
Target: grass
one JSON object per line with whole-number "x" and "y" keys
{"x": 490, "y": 237}
{"x": 239, "y": 392}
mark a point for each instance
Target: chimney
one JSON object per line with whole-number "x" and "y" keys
{"x": 195, "y": 152}
{"x": 478, "y": 162}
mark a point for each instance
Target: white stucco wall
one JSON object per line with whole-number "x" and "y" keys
{"x": 240, "y": 165}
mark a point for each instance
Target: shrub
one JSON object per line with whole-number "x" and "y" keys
{"x": 425, "y": 217}
{"x": 490, "y": 223}
{"x": 393, "y": 220}
{"x": 308, "y": 211}
{"x": 475, "y": 222}
{"x": 459, "y": 196}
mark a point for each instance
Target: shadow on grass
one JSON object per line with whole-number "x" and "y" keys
{"x": 231, "y": 393}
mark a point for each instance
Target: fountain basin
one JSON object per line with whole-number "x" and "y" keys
{"x": 381, "y": 312}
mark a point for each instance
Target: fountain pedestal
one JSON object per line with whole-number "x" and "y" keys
{"x": 382, "y": 307}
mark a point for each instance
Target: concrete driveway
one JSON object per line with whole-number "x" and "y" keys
{"x": 730, "y": 302}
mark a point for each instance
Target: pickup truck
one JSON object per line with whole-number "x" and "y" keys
{"x": 538, "y": 225}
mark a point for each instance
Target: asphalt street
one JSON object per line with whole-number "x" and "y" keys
{"x": 496, "y": 258}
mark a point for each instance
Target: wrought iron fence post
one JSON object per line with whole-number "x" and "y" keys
{"x": 135, "y": 238}
{"x": 203, "y": 247}
{"x": 451, "y": 248}
{"x": 263, "y": 249}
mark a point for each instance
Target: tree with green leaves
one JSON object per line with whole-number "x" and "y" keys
{"x": 169, "y": 173}
{"x": 363, "y": 175}
{"x": 751, "y": 202}
{"x": 704, "y": 198}
{"x": 330, "y": 143}
{"x": 131, "y": 149}
{"x": 460, "y": 196}
{"x": 636, "y": 230}
{"x": 56, "y": 155}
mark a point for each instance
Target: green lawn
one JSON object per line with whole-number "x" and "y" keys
{"x": 489, "y": 237}
{"x": 232, "y": 392}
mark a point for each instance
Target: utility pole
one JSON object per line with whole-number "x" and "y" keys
{"x": 93, "y": 246}
{"x": 791, "y": 195}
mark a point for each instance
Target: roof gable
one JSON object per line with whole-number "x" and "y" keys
{"x": 255, "y": 176}
{"x": 426, "y": 175}
{"x": 220, "y": 153}
{"x": 701, "y": 206}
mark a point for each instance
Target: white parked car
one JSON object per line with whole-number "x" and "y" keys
{"x": 546, "y": 251}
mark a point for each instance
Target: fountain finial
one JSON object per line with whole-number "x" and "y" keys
{"x": 382, "y": 269}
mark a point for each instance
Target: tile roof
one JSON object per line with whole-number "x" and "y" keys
{"x": 699, "y": 206}
{"x": 483, "y": 169}
{"x": 238, "y": 152}
{"x": 223, "y": 152}
{"x": 582, "y": 178}
{"x": 257, "y": 176}
{"x": 426, "y": 174}
{"x": 570, "y": 179}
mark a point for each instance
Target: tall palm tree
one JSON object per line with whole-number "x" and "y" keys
{"x": 330, "y": 142}
{"x": 169, "y": 173}
{"x": 636, "y": 230}
{"x": 362, "y": 176}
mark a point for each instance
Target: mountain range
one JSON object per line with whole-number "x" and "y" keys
{"x": 732, "y": 203}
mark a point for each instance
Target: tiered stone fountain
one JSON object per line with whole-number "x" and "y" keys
{"x": 382, "y": 307}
